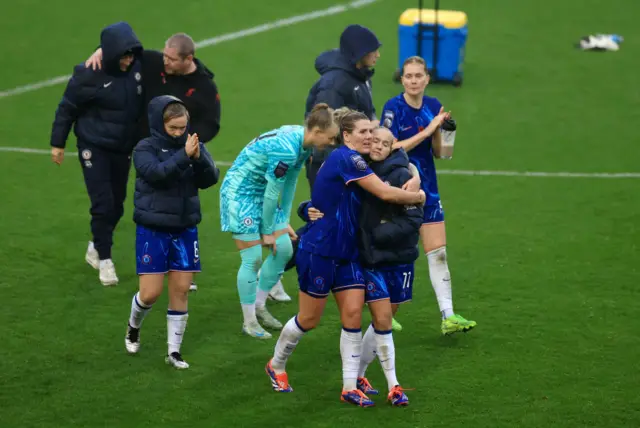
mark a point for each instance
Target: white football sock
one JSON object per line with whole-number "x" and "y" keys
{"x": 350, "y": 350}
{"x": 138, "y": 311}
{"x": 249, "y": 313}
{"x": 176, "y": 325}
{"x": 441, "y": 280}
{"x": 289, "y": 337}
{"x": 368, "y": 351}
{"x": 261, "y": 298}
{"x": 387, "y": 355}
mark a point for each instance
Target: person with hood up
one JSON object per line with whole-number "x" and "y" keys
{"x": 171, "y": 166}
{"x": 103, "y": 106}
{"x": 345, "y": 81}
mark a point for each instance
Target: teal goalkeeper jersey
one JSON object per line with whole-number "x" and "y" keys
{"x": 266, "y": 171}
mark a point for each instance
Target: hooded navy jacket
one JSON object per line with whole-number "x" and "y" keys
{"x": 341, "y": 83}
{"x": 104, "y": 105}
{"x": 389, "y": 233}
{"x": 167, "y": 180}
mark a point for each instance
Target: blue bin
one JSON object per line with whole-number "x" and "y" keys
{"x": 452, "y": 37}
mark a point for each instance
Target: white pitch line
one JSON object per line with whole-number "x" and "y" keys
{"x": 286, "y": 22}
{"x": 440, "y": 171}
{"x": 66, "y": 153}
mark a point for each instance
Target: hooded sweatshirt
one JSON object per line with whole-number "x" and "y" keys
{"x": 104, "y": 105}
{"x": 341, "y": 83}
{"x": 167, "y": 179}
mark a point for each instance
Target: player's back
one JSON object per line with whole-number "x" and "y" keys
{"x": 247, "y": 174}
{"x": 336, "y": 194}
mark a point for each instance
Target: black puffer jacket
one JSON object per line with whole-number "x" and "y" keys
{"x": 167, "y": 180}
{"x": 389, "y": 233}
{"x": 104, "y": 105}
{"x": 341, "y": 83}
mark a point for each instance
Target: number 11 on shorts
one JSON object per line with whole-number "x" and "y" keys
{"x": 406, "y": 281}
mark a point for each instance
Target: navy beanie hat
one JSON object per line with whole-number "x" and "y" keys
{"x": 357, "y": 41}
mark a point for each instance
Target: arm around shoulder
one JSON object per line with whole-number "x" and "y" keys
{"x": 376, "y": 187}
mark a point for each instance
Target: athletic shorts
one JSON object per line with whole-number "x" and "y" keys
{"x": 318, "y": 276}
{"x": 161, "y": 252}
{"x": 392, "y": 282}
{"x": 433, "y": 213}
{"x": 242, "y": 216}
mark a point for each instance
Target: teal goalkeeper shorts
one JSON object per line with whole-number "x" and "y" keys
{"x": 244, "y": 216}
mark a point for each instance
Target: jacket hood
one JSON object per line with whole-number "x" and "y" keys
{"x": 156, "y": 122}
{"x": 115, "y": 40}
{"x": 357, "y": 41}
{"x": 336, "y": 60}
{"x": 397, "y": 159}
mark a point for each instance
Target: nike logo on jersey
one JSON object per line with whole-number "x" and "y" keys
{"x": 405, "y": 129}
{"x": 106, "y": 85}
{"x": 165, "y": 150}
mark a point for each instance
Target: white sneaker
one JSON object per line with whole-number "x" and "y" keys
{"x": 254, "y": 329}
{"x": 132, "y": 340}
{"x": 175, "y": 360}
{"x": 267, "y": 319}
{"x": 193, "y": 287}
{"x": 92, "y": 256}
{"x": 108, "y": 275}
{"x": 278, "y": 294}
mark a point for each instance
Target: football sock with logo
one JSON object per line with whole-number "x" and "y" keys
{"x": 387, "y": 355}
{"x": 176, "y": 325}
{"x": 350, "y": 349}
{"x": 287, "y": 342}
{"x": 248, "y": 281}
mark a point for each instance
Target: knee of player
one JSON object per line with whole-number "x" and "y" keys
{"x": 382, "y": 319}
{"x": 308, "y": 321}
{"x": 149, "y": 297}
{"x": 351, "y": 316}
{"x": 284, "y": 247}
{"x": 252, "y": 257}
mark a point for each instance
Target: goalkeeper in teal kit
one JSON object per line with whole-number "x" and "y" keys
{"x": 255, "y": 206}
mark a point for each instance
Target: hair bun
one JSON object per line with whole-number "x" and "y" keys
{"x": 320, "y": 106}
